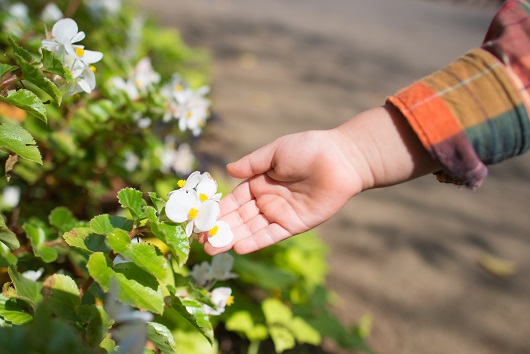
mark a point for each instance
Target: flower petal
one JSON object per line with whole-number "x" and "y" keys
{"x": 78, "y": 37}
{"x": 64, "y": 30}
{"x": 189, "y": 228}
{"x": 192, "y": 180}
{"x": 222, "y": 238}
{"x": 208, "y": 213}
{"x": 207, "y": 185}
{"x": 178, "y": 206}
{"x": 91, "y": 56}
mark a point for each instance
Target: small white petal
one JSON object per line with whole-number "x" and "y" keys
{"x": 78, "y": 37}
{"x": 189, "y": 228}
{"x": 90, "y": 57}
{"x": 207, "y": 185}
{"x": 208, "y": 213}
{"x": 192, "y": 180}
{"x": 223, "y": 237}
{"x": 64, "y": 30}
{"x": 179, "y": 205}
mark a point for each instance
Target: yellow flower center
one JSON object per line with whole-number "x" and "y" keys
{"x": 93, "y": 68}
{"x": 178, "y": 88}
{"x": 138, "y": 83}
{"x": 230, "y": 301}
{"x": 79, "y": 51}
{"x": 213, "y": 231}
{"x": 181, "y": 183}
{"x": 193, "y": 213}
{"x": 203, "y": 197}
{"x": 188, "y": 114}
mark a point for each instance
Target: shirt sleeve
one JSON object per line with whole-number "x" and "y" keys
{"x": 474, "y": 112}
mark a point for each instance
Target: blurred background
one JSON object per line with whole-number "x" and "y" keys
{"x": 441, "y": 269}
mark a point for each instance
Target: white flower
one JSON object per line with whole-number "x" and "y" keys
{"x": 220, "y": 235}
{"x": 201, "y": 273}
{"x": 186, "y": 206}
{"x": 64, "y": 34}
{"x": 221, "y": 297}
{"x": 183, "y": 159}
{"x": 131, "y": 161}
{"x": 221, "y": 266}
{"x": 207, "y": 188}
{"x": 51, "y": 13}
{"x": 191, "y": 182}
{"x": 141, "y": 80}
{"x": 33, "y": 274}
{"x": 112, "y": 7}
{"x": 18, "y": 19}
{"x": 11, "y": 196}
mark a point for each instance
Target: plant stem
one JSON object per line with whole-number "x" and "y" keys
{"x": 253, "y": 348}
{"x": 4, "y": 84}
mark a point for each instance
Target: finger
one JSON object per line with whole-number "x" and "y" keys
{"x": 269, "y": 235}
{"x": 255, "y": 163}
{"x": 241, "y": 215}
{"x": 235, "y": 199}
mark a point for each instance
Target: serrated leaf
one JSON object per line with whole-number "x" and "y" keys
{"x": 37, "y": 238}
{"x": 8, "y": 237}
{"x": 53, "y": 65}
{"x": 282, "y": 338}
{"x": 85, "y": 239}
{"x": 26, "y": 100}
{"x": 34, "y": 75}
{"x": 131, "y": 285}
{"x": 194, "y": 313}
{"x": 304, "y": 332}
{"x": 119, "y": 222}
{"x": 18, "y": 140}
{"x": 24, "y": 54}
{"x": 158, "y": 203}
{"x": 101, "y": 224}
{"x": 24, "y": 289}
{"x": 276, "y": 312}
{"x": 63, "y": 219}
{"x": 14, "y": 311}
{"x": 132, "y": 200}
{"x": 143, "y": 254}
{"x": 62, "y": 294}
{"x": 161, "y": 337}
{"x": 5, "y": 68}
{"x": 173, "y": 236}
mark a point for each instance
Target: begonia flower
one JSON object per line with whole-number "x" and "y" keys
{"x": 221, "y": 297}
{"x": 186, "y": 206}
{"x": 220, "y": 235}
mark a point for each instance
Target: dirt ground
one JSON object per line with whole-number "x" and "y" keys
{"x": 409, "y": 254}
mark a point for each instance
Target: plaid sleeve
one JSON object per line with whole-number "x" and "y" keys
{"x": 473, "y": 112}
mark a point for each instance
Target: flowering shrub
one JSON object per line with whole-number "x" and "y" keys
{"x": 93, "y": 257}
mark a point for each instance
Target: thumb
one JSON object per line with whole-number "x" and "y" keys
{"x": 255, "y": 163}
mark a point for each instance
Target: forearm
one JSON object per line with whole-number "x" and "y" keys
{"x": 383, "y": 148}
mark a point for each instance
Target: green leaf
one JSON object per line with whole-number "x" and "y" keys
{"x": 34, "y": 75}
{"x": 24, "y": 289}
{"x": 173, "y": 236}
{"x": 132, "y": 200}
{"x": 85, "y": 239}
{"x": 194, "y": 313}
{"x": 63, "y": 219}
{"x": 18, "y": 140}
{"x": 161, "y": 337}
{"x": 241, "y": 321}
{"x": 6, "y": 257}
{"x": 37, "y": 238}
{"x": 101, "y": 224}
{"x": 26, "y": 100}
{"x": 276, "y": 312}
{"x": 304, "y": 333}
{"x": 14, "y": 311}
{"x": 135, "y": 286}
{"x": 282, "y": 338}
{"x": 7, "y": 236}
{"x": 119, "y": 222}
{"x": 24, "y": 54}
{"x": 5, "y": 68}
{"x": 159, "y": 203}
{"x": 62, "y": 294}
{"x": 97, "y": 323}
{"x": 53, "y": 65}
{"x": 143, "y": 254}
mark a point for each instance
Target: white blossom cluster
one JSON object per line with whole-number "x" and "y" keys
{"x": 75, "y": 57}
{"x": 206, "y": 275}
{"x": 196, "y": 203}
